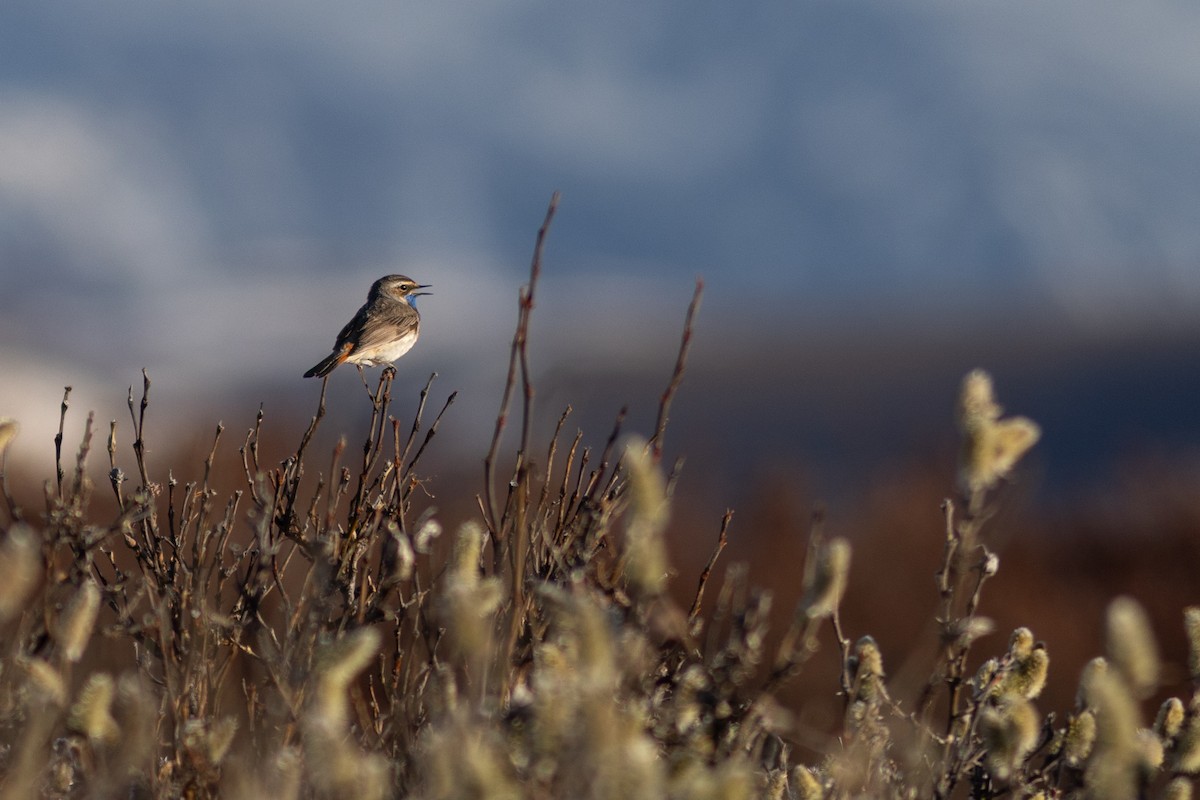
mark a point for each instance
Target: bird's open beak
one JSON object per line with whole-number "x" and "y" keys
{"x": 422, "y": 286}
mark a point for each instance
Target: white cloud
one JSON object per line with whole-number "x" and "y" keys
{"x": 101, "y": 194}
{"x": 31, "y": 392}
{"x": 609, "y": 122}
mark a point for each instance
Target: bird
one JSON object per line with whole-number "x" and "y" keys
{"x": 385, "y": 328}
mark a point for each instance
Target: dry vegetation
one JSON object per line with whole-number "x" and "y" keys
{"x": 306, "y": 636}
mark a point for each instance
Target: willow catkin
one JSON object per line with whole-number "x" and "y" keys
{"x": 1191, "y": 627}
{"x": 826, "y": 577}
{"x": 1131, "y": 645}
{"x": 1177, "y": 789}
{"x": 806, "y": 784}
{"x": 341, "y": 663}
{"x": 1009, "y": 731}
{"x": 8, "y": 431}
{"x": 1079, "y": 739}
{"x": 469, "y": 601}
{"x": 20, "y": 570}
{"x": 1028, "y": 666}
{"x": 73, "y": 628}
{"x": 47, "y": 680}
{"x": 1186, "y": 754}
{"x": 645, "y": 554}
{"x": 1093, "y": 671}
{"x": 91, "y": 714}
{"x": 1113, "y": 770}
{"x": 335, "y": 765}
{"x": 866, "y": 671}
{"x": 1169, "y": 721}
{"x": 991, "y": 446}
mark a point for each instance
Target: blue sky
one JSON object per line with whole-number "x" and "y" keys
{"x": 207, "y": 189}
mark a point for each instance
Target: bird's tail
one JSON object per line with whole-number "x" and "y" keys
{"x": 327, "y": 365}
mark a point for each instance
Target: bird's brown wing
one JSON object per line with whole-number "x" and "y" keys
{"x": 352, "y": 332}
{"x": 383, "y": 325}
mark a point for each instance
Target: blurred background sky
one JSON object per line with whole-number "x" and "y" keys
{"x": 879, "y": 196}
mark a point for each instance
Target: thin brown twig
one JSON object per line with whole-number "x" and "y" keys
{"x": 58, "y": 437}
{"x": 433, "y": 428}
{"x": 551, "y": 451}
{"x": 402, "y": 455}
{"x": 722, "y": 540}
{"x": 373, "y": 445}
{"x": 115, "y": 476}
{"x": 668, "y": 395}
{"x": 492, "y": 516}
{"x": 78, "y": 484}
{"x": 295, "y": 468}
{"x": 139, "y": 428}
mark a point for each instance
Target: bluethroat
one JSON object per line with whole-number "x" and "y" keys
{"x": 385, "y": 328}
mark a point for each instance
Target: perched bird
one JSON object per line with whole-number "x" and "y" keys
{"x": 384, "y": 329}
